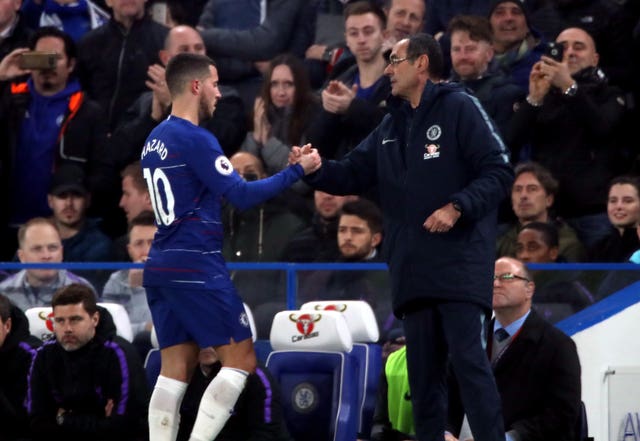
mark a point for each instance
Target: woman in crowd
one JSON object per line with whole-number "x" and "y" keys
{"x": 281, "y": 113}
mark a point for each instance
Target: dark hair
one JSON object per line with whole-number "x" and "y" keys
{"x": 5, "y": 308}
{"x": 50, "y": 31}
{"x": 22, "y": 231}
{"x": 74, "y": 294}
{"x": 542, "y": 174}
{"x": 549, "y": 232}
{"x": 625, "y": 179}
{"x": 146, "y": 218}
{"x": 303, "y": 97}
{"x": 425, "y": 44}
{"x": 185, "y": 67}
{"x": 366, "y": 210}
{"x": 365, "y": 7}
{"x": 134, "y": 171}
{"x": 478, "y": 27}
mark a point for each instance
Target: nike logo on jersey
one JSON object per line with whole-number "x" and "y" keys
{"x": 384, "y": 141}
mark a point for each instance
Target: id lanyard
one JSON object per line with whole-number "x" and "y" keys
{"x": 502, "y": 351}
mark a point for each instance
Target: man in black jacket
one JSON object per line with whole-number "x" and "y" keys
{"x": 87, "y": 383}
{"x": 153, "y": 106}
{"x": 570, "y": 119}
{"x": 113, "y": 59}
{"x": 257, "y": 415}
{"x": 17, "y": 350}
{"x": 441, "y": 170}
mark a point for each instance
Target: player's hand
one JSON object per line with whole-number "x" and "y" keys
{"x": 10, "y": 65}
{"x": 442, "y": 220}
{"x": 294, "y": 155}
{"x": 309, "y": 159}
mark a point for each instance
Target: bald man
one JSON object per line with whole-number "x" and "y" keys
{"x": 535, "y": 365}
{"x": 571, "y": 119}
{"x": 227, "y": 123}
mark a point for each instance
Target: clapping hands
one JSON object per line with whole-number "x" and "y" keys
{"x": 337, "y": 97}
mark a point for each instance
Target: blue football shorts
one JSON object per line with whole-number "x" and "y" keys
{"x": 207, "y": 317}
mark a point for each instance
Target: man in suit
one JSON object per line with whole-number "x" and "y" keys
{"x": 535, "y": 365}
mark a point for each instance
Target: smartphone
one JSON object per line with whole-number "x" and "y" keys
{"x": 38, "y": 60}
{"x": 554, "y": 50}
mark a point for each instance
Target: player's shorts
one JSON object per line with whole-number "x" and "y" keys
{"x": 207, "y": 317}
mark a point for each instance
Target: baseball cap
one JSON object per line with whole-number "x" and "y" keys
{"x": 69, "y": 178}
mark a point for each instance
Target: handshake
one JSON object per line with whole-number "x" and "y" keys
{"x": 307, "y": 157}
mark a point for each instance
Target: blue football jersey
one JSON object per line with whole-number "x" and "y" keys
{"x": 188, "y": 176}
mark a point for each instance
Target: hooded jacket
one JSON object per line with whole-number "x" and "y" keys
{"x": 82, "y": 382}
{"x": 445, "y": 150}
{"x": 16, "y": 355}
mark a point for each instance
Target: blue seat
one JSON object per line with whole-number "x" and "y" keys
{"x": 363, "y": 327}
{"x": 318, "y": 375}
{"x": 263, "y": 349}
{"x": 319, "y": 394}
{"x": 369, "y": 359}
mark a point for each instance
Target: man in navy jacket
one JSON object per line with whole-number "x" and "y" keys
{"x": 441, "y": 169}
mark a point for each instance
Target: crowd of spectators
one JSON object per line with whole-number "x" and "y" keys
{"x": 298, "y": 71}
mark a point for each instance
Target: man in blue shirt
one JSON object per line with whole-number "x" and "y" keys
{"x": 185, "y": 275}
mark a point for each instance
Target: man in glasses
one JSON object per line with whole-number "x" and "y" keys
{"x": 535, "y": 365}
{"x": 441, "y": 170}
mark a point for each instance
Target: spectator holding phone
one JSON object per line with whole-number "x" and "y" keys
{"x": 45, "y": 122}
{"x": 569, "y": 118}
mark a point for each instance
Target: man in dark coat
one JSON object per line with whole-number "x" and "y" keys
{"x": 17, "y": 350}
{"x": 87, "y": 383}
{"x": 536, "y": 366}
{"x": 441, "y": 169}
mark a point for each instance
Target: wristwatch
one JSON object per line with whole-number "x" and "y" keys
{"x": 328, "y": 54}
{"x": 571, "y": 90}
{"x": 457, "y": 206}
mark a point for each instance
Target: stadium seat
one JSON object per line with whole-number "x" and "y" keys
{"x": 121, "y": 319}
{"x": 40, "y": 322}
{"x": 317, "y": 373}
{"x": 363, "y": 326}
{"x": 252, "y": 322}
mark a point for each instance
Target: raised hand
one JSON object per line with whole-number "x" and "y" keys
{"x": 261, "y": 126}
{"x": 161, "y": 96}
{"x": 337, "y": 97}
{"x": 10, "y": 65}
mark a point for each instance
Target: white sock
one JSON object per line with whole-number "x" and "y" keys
{"x": 217, "y": 403}
{"x": 164, "y": 409}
